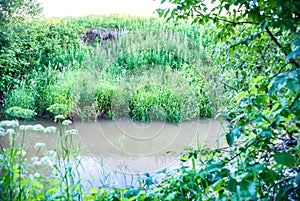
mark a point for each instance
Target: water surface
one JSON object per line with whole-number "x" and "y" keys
{"x": 116, "y": 150}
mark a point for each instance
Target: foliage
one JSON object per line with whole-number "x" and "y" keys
{"x": 149, "y": 57}
{"x": 20, "y": 97}
{"x": 12, "y": 10}
{"x": 18, "y": 112}
{"x": 156, "y": 100}
{"x": 194, "y": 78}
{"x": 259, "y": 60}
{"x": 34, "y": 45}
{"x": 41, "y": 61}
{"x": 61, "y": 96}
{"x": 104, "y": 95}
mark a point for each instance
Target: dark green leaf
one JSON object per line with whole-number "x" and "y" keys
{"x": 293, "y": 54}
{"x": 263, "y": 26}
{"x": 293, "y": 85}
{"x": 230, "y": 138}
{"x": 285, "y": 158}
{"x": 296, "y": 43}
{"x": 232, "y": 184}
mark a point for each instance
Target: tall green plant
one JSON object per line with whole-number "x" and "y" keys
{"x": 158, "y": 100}
{"x": 259, "y": 42}
{"x": 21, "y": 180}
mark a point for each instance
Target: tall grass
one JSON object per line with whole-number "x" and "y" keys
{"x": 171, "y": 55}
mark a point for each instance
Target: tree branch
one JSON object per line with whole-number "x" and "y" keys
{"x": 274, "y": 39}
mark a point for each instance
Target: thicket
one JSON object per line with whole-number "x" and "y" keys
{"x": 44, "y": 64}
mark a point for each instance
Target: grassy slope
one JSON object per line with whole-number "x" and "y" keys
{"x": 105, "y": 80}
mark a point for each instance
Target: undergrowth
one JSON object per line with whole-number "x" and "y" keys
{"x": 65, "y": 75}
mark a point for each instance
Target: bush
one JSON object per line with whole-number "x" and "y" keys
{"x": 154, "y": 100}
{"x": 20, "y": 97}
{"x": 199, "y": 86}
{"x": 36, "y": 44}
{"x": 61, "y": 95}
{"x": 104, "y": 95}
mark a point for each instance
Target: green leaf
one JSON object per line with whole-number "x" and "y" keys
{"x": 293, "y": 54}
{"x": 171, "y": 196}
{"x": 266, "y": 133}
{"x": 241, "y": 95}
{"x": 230, "y": 138}
{"x": 236, "y": 132}
{"x": 277, "y": 83}
{"x": 285, "y": 158}
{"x": 296, "y": 43}
{"x": 268, "y": 176}
{"x": 215, "y": 166}
{"x": 232, "y": 184}
{"x": 263, "y": 26}
{"x": 292, "y": 84}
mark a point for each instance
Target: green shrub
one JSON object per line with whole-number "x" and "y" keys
{"x": 154, "y": 100}
{"x": 20, "y": 97}
{"x": 202, "y": 94}
{"x": 61, "y": 95}
{"x": 38, "y": 51}
{"x": 104, "y": 96}
{"x": 35, "y": 45}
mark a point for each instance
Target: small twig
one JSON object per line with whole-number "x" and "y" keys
{"x": 238, "y": 154}
{"x": 284, "y": 180}
{"x": 226, "y": 85}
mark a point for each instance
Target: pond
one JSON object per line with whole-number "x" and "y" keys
{"x": 119, "y": 150}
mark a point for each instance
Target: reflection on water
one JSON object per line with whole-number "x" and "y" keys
{"x": 144, "y": 147}
{"x": 119, "y": 150}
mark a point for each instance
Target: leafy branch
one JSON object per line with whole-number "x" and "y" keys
{"x": 273, "y": 38}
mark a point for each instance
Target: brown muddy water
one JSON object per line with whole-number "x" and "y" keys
{"x": 117, "y": 151}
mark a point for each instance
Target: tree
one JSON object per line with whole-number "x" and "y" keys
{"x": 12, "y": 11}
{"x": 259, "y": 58}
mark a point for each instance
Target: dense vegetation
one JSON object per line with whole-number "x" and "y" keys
{"x": 48, "y": 68}
{"x": 161, "y": 71}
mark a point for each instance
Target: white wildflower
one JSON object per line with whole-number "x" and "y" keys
{"x": 38, "y": 127}
{"x": 71, "y": 132}
{"x": 37, "y": 163}
{"x": 7, "y": 123}
{"x": 26, "y": 128}
{"x": 33, "y": 159}
{"x": 46, "y": 161}
{"x": 10, "y": 131}
{"x": 59, "y": 117}
{"x": 37, "y": 175}
{"x": 2, "y": 132}
{"x": 50, "y": 129}
{"x": 21, "y": 153}
{"x": 67, "y": 122}
{"x": 39, "y": 146}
